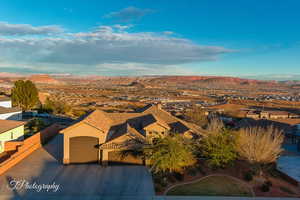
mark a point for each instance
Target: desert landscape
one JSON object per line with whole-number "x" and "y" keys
{"x": 149, "y": 100}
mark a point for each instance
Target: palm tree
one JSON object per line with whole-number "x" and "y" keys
{"x": 172, "y": 153}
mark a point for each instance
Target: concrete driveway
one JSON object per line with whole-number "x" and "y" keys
{"x": 42, "y": 171}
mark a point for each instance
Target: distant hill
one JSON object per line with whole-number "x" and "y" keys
{"x": 234, "y": 80}
{"x": 213, "y": 80}
{"x": 10, "y": 75}
{"x": 146, "y": 81}
{"x": 43, "y": 78}
{"x": 136, "y": 84}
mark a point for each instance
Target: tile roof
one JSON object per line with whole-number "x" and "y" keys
{"x": 6, "y": 125}
{"x": 278, "y": 112}
{"x": 99, "y": 119}
{"x": 170, "y": 119}
{"x": 118, "y": 124}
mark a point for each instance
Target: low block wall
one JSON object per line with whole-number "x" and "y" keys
{"x": 26, "y": 147}
{"x": 12, "y": 145}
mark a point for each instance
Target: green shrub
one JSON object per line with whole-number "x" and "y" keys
{"x": 219, "y": 148}
{"x": 56, "y": 107}
{"x": 35, "y": 125}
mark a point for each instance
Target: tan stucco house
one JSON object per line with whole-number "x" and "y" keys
{"x": 279, "y": 115}
{"x": 99, "y": 136}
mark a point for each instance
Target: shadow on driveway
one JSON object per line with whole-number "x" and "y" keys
{"x": 43, "y": 169}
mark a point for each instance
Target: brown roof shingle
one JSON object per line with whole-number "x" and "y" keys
{"x": 118, "y": 124}
{"x": 99, "y": 119}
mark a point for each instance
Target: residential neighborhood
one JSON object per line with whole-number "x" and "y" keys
{"x": 114, "y": 145}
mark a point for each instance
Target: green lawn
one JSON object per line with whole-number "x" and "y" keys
{"x": 212, "y": 186}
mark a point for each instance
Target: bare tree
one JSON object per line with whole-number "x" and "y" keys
{"x": 197, "y": 116}
{"x": 215, "y": 125}
{"x": 260, "y": 146}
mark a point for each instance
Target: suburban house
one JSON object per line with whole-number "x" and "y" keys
{"x": 264, "y": 115}
{"x": 253, "y": 114}
{"x": 272, "y": 114}
{"x": 7, "y": 111}
{"x": 10, "y": 130}
{"x": 278, "y": 115}
{"x": 99, "y": 136}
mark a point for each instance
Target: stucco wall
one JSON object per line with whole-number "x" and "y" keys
{"x": 14, "y": 134}
{"x": 12, "y": 116}
{"x": 80, "y": 129}
{"x": 27, "y": 146}
{"x": 6, "y": 104}
{"x": 279, "y": 116}
{"x": 155, "y": 130}
{"x": 155, "y": 127}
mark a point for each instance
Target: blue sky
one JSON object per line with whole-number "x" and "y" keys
{"x": 144, "y": 37}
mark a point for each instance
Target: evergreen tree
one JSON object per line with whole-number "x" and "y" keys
{"x": 25, "y": 94}
{"x": 219, "y": 148}
{"x": 170, "y": 154}
{"x": 167, "y": 154}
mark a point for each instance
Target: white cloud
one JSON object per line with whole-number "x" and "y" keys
{"x": 26, "y": 29}
{"x": 105, "y": 47}
{"x": 122, "y": 27}
{"x": 142, "y": 69}
{"x": 128, "y": 14}
{"x": 168, "y": 32}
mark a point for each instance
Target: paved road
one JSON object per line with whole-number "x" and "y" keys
{"x": 85, "y": 181}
